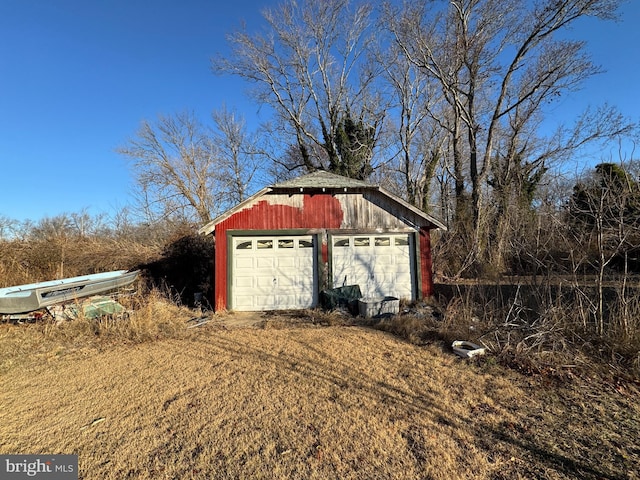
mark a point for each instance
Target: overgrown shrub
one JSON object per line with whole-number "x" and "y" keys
{"x": 184, "y": 270}
{"x": 30, "y": 261}
{"x": 547, "y": 326}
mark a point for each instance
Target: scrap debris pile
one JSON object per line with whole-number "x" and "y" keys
{"x": 67, "y": 299}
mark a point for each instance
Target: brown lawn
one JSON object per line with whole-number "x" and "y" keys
{"x": 305, "y": 402}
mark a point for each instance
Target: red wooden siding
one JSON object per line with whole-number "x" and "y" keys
{"x": 318, "y": 211}
{"x": 425, "y": 263}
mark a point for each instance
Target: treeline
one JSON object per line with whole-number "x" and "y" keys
{"x": 173, "y": 258}
{"x": 587, "y": 227}
{"x": 448, "y": 104}
{"x": 567, "y": 287}
{"x": 445, "y": 103}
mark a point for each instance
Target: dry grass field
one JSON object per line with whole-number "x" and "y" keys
{"x": 295, "y": 400}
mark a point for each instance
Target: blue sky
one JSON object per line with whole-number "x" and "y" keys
{"x": 78, "y": 77}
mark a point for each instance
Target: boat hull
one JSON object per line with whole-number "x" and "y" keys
{"x": 28, "y": 298}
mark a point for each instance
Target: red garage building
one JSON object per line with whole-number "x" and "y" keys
{"x": 281, "y": 247}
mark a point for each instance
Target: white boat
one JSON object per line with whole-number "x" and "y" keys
{"x": 34, "y": 296}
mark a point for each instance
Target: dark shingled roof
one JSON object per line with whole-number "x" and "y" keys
{"x": 322, "y": 179}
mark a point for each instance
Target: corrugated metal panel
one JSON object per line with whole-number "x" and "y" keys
{"x": 425, "y": 263}
{"x": 365, "y": 210}
{"x": 275, "y": 212}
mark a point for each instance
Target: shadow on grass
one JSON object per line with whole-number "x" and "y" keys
{"x": 543, "y": 457}
{"x": 340, "y": 373}
{"x": 336, "y": 373}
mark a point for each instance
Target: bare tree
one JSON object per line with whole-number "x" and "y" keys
{"x": 497, "y": 62}
{"x": 8, "y": 227}
{"x": 237, "y": 153}
{"x": 416, "y": 143}
{"x": 174, "y": 166}
{"x": 605, "y": 213}
{"x": 83, "y": 225}
{"x": 55, "y": 233}
{"x": 188, "y": 171}
{"x": 522, "y": 159}
{"x": 310, "y": 66}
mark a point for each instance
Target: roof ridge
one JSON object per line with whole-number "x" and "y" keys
{"x": 323, "y": 179}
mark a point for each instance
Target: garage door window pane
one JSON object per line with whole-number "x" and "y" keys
{"x": 244, "y": 245}
{"x": 341, "y": 242}
{"x": 361, "y": 242}
{"x": 287, "y": 243}
{"x": 382, "y": 241}
{"x": 261, "y": 244}
{"x": 305, "y": 244}
{"x": 400, "y": 241}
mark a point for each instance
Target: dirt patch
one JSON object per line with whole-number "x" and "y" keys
{"x": 237, "y": 319}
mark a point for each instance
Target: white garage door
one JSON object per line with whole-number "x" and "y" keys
{"x": 380, "y": 264}
{"x": 272, "y": 273}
